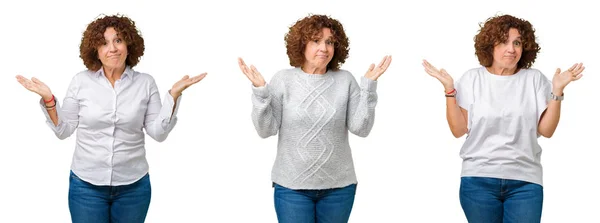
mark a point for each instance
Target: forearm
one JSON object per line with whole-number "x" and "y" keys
{"x": 175, "y": 97}
{"x": 361, "y": 114}
{"x": 53, "y": 116}
{"x": 550, "y": 117}
{"x": 456, "y": 119}
{"x": 51, "y": 109}
{"x": 161, "y": 118}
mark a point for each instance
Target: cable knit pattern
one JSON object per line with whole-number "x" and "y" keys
{"x": 312, "y": 114}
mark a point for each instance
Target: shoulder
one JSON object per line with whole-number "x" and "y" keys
{"x": 284, "y": 73}
{"x": 473, "y": 73}
{"x": 343, "y": 75}
{"x": 142, "y": 77}
{"x": 86, "y": 74}
{"x": 342, "y": 72}
{"x": 534, "y": 73}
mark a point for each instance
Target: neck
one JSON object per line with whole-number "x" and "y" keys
{"x": 502, "y": 71}
{"x": 313, "y": 69}
{"x": 113, "y": 73}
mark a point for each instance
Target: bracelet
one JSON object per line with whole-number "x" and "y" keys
{"x": 50, "y": 108}
{"x": 52, "y": 99}
{"x": 557, "y": 98}
{"x": 54, "y": 105}
{"x": 452, "y": 93}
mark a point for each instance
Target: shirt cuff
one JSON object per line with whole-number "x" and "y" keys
{"x": 262, "y": 92}
{"x": 368, "y": 84}
{"x": 48, "y": 119}
{"x": 168, "y": 114}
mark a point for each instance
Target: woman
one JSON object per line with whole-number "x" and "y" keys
{"x": 313, "y": 106}
{"x": 109, "y": 104}
{"x": 503, "y": 107}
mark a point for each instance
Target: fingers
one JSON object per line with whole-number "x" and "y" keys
{"x": 573, "y": 67}
{"x": 23, "y": 81}
{"x": 194, "y": 79}
{"x": 577, "y": 77}
{"x": 243, "y": 66}
{"x": 241, "y": 62}
{"x": 371, "y": 67}
{"x": 557, "y": 71}
{"x": 430, "y": 69}
{"x": 200, "y": 77}
{"x": 385, "y": 63}
{"x": 185, "y": 77}
{"x": 428, "y": 66}
{"x": 255, "y": 72}
{"x": 382, "y": 61}
{"x": 578, "y": 69}
{"x": 35, "y": 80}
{"x": 443, "y": 72}
{"x": 389, "y": 61}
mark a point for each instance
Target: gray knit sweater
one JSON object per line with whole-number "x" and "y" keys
{"x": 313, "y": 114}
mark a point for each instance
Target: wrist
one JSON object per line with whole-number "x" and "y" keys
{"x": 557, "y": 91}
{"x": 448, "y": 88}
{"x": 48, "y": 98}
{"x": 174, "y": 93}
{"x": 451, "y": 93}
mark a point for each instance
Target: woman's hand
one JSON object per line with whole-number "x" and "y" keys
{"x": 375, "y": 72}
{"x": 441, "y": 75}
{"x": 184, "y": 83}
{"x": 36, "y": 86}
{"x": 561, "y": 80}
{"x": 252, "y": 74}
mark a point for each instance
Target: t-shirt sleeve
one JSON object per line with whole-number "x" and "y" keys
{"x": 542, "y": 94}
{"x": 464, "y": 90}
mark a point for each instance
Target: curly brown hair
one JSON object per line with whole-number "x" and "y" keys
{"x": 93, "y": 37}
{"x": 495, "y": 31}
{"x": 308, "y": 29}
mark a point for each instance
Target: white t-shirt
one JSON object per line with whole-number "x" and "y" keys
{"x": 504, "y": 112}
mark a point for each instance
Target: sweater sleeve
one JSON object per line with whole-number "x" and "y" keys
{"x": 361, "y": 106}
{"x": 267, "y": 107}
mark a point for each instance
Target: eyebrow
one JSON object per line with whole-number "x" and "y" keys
{"x": 114, "y": 35}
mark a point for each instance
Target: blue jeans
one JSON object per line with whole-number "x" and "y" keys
{"x": 103, "y": 204}
{"x": 316, "y": 206}
{"x": 493, "y": 200}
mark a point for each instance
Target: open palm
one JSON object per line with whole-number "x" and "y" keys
{"x": 441, "y": 75}
{"x": 252, "y": 73}
{"x": 184, "y": 83}
{"x": 562, "y": 79}
{"x": 375, "y": 72}
{"x": 36, "y": 86}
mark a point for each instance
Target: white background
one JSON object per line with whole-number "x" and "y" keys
{"x": 215, "y": 168}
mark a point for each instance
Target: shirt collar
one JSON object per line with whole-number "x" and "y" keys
{"x": 128, "y": 73}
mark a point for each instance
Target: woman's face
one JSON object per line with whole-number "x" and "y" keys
{"x": 507, "y": 54}
{"x": 113, "y": 52}
{"x": 319, "y": 51}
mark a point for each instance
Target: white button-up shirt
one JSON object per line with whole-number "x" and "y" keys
{"x": 109, "y": 147}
